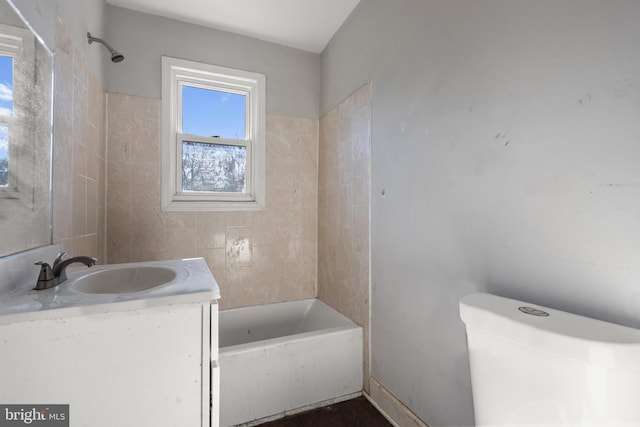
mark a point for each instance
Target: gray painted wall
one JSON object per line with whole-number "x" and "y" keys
{"x": 506, "y": 140}
{"x": 78, "y": 17}
{"x": 293, "y": 76}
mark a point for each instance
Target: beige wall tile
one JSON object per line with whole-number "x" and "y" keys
{"x": 92, "y": 207}
{"x": 79, "y": 207}
{"x": 79, "y": 159}
{"x": 118, "y": 245}
{"x": 256, "y": 257}
{"x": 92, "y": 151}
{"x": 147, "y": 229}
{"x": 343, "y": 209}
{"x": 238, "y": 246}
{"x": 95, "y": 107}
{"x": 180, "y": 243}
{"x": 62, "y": 202}
{"x": 78, "y": 153}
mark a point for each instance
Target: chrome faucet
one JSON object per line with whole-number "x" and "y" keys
{"x": 53, "y": 276}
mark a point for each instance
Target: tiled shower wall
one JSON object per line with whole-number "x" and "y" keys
{"x": 78, "y": 153}
{"x": 256, "y": 257}
{"x": 343, "y": 210}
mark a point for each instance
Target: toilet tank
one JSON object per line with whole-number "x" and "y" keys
{"x": 535, "y": 366}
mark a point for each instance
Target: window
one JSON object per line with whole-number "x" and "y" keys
{"x": 9, "y": 46}
{"x": 17, "y": 87}
{"x": 213, "y": 137}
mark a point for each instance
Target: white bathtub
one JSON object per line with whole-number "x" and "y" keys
{"x": 278, "y": 359}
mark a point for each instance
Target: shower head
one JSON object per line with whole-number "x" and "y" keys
{"x": 115, "y": 55}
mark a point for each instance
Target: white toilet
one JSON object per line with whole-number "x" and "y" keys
{"x": 535, "y": 366}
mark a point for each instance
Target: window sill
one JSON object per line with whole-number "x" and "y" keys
{"x": 191, "y": 206}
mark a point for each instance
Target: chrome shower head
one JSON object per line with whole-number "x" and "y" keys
{"x": 115, "y": 55}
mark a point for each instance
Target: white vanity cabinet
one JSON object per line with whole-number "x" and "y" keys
{"x": 151, "y": 366}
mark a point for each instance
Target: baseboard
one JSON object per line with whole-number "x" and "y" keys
{"x": 398, "y": 414}
{"x": 384, "y": 414}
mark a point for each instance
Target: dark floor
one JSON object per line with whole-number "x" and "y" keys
{"x": 356, "y": 412}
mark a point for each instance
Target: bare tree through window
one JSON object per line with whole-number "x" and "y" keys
{"x": 213, "y": 167}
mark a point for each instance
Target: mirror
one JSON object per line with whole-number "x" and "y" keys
{"x": 26, "y": 87}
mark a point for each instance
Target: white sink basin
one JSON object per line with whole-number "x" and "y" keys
{"x": 109, "y": 287}
{"x": 123, "y": 280}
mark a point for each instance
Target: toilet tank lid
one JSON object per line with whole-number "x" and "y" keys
{"x": 583, "y": 338}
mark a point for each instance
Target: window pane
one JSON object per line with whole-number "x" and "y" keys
{"x": 6, "y": 85}
{"x": 207, "y": 112}
{"x": 4, "y": 156}
{"x": 213, "y": 167}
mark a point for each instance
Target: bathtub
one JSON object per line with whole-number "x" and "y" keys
{"x": 282, "y": 358}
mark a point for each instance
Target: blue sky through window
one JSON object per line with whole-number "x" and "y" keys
{"x": 6, "y": 101}
{"x": 207, "y": 112}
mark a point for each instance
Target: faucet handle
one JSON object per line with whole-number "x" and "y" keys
{"x": 59, "y": 258}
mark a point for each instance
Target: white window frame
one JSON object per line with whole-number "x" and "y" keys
{"x": 175, "y": 74}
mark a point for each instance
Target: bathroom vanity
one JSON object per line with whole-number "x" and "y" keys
{"x": 141, "y": 358}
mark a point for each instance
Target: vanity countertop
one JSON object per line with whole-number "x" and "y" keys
{"x": 193, "y": 283}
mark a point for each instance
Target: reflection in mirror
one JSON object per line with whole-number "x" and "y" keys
{"x": 26, "y": 76}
